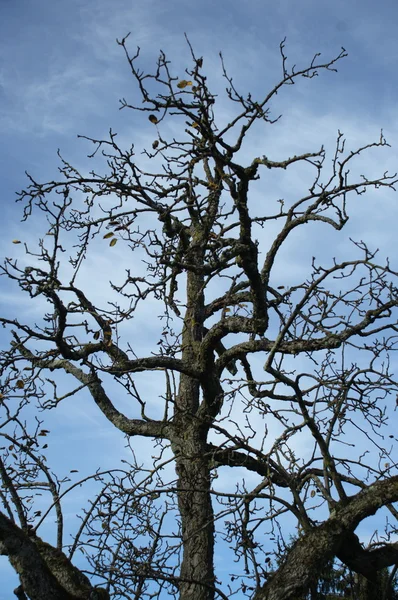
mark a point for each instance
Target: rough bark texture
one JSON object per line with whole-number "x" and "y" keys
{"x": 312, "y": 552}
{"x": 192, "y": 463}
{"x": 38, "y": 581}
{"x": 45, "y": 572}
{"x": 194, "y": 501}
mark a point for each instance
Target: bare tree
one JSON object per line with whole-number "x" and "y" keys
{"x": 240, "y": 357}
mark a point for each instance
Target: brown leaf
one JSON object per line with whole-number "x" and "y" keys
{"x": 43, "y": 432}
{"x": 153, "y": 119}
{"x": 20, "y": 384}
{"x": 155, "y": 144}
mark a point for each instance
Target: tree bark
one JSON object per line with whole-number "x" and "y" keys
{"x": 192, "y": 463}
{"x": 196, "y": 512}
{"x": 37, "y": 580}
{"x": 45, "y": 572}
{"x": 311, "y": 552}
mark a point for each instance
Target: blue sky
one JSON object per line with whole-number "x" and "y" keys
{"x": 62, "y": 74}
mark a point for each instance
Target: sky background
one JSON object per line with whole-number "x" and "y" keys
{"x": 62, "y": 74}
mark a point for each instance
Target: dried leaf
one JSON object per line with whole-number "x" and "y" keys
{"x": 113, "y": 242}
{"x": 155, "y": 144}
{"x": 313, "y": 492}
{"x": 108, "y": 235}
{"x": 96, "y": 335}
{"x": 43, "y": 432}
{"x": 183, "y": 84}
{"x": 153, "y": 119}
{"x": 16, "y": 242}
{"x": 20, "y": 384}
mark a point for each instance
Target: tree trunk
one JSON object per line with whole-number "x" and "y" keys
{"x": 196, "y": 512}
{"x": 192, "y": 463}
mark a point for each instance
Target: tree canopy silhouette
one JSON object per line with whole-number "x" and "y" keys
{"x": 290, "y": 386}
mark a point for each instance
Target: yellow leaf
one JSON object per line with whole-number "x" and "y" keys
{"x": 183, "y": 84}
{"x": 16, "y": 241}
{"x": 113, "y": 242}
{"x": 108, "y": 235}
{"x": 20, "y": 384}
{"x": 153, "y": 119}
{"x": 313, "y": 492}
{"x": 195, "y": 125}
